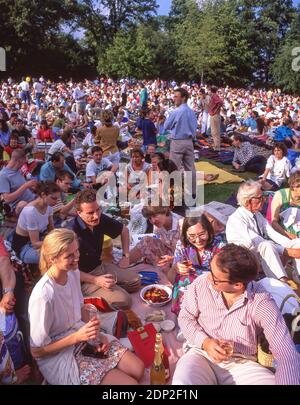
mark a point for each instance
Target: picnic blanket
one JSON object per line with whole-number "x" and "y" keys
{"x": 224, "y": 177}
{"x": 169, "y": 338}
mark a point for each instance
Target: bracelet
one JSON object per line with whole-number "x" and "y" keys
{"x": 7, "y": 290}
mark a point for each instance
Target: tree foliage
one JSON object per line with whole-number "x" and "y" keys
{"x": 142, "y": 52}
{"x": 286, "y": 66}
{"x": 235, "y": 42}
{"x": 212, "y": 42}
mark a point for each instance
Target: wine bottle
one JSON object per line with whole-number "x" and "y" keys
{"x": 157, "y": 372}
{"x": 164, "y": 357}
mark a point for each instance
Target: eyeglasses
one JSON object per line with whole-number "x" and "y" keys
{"x": 216, "y": 281}
{"x": 260, "y": 198}
{"x": 194, "y": 238}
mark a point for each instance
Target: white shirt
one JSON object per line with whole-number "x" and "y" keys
{"x": 88, "y": 140}
{"x": 93, "y": 169}
{"x": 55, "y": 312}
{"x": 279, "y": 169}
{"x": 24, "y": 86}
{"x": 78, "y": 94}
{"x": 72, "y": 116}
{"x": 241, "y": 229}
{"x": 31, "y": 219}
{"x": 37, "y": 87}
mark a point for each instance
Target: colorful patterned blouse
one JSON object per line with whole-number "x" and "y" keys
{"x": 190, "y": 253}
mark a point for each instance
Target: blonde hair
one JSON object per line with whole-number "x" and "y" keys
{"x": 54, "y": 245}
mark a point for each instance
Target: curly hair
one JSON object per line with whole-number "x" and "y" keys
{"x": 85, "y": 196}
{"x": 107, "y": 118}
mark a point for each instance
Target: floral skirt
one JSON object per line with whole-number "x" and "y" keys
{"x": 93, "y": 370}
{"x": 152, "y": 249}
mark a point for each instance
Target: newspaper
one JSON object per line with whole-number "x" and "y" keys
{"x": 219, "y": 211}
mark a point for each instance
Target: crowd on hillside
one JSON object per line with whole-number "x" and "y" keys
{"x": 62, "y": 142}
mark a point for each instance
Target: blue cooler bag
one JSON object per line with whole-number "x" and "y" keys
{"x": 14, "y": 340}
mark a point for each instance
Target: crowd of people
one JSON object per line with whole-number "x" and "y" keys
{"x": 60, "y": 143}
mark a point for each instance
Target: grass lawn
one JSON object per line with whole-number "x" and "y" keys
{"x": 221, "y": 192}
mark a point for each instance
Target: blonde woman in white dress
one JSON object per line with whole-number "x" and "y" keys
{"x": 58, "y": 332}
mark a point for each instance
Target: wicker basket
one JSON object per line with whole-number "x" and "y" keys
{"x": 263, "y": 358}
{"x": 267, "y": 359}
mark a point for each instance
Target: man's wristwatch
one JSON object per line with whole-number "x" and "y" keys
{"x": 126, "y": 255}
{"x": 7, "y": 290}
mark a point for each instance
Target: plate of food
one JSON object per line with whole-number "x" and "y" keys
{"x": 156, "y": 295}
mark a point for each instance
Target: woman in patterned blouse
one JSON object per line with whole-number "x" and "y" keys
{"x": 193, "y": 255}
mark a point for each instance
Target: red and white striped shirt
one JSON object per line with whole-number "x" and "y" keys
{"x": 204, "y": 314}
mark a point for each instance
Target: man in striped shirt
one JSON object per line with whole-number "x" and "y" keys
{"x": 227, "y": 305}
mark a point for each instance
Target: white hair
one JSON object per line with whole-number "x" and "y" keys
{"x": 246, "y": 191}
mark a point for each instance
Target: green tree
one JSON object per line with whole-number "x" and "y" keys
{"x": 142, "y": 52}
{"x": 29, "y": 30}
{"x": 286, "y": 67}
{"x": 212, "y": 43}
{"x": 117, "y": 61}
{"x": 267, "y": 23}
{"x": 103, "y": 19}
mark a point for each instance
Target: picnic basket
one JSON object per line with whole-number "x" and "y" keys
{"x": 266, "y": 359}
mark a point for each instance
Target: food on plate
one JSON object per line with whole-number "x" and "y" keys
{"x": 156, "y": 295}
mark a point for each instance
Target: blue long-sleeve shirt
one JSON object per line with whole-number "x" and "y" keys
{"x": 250, "y": 122}
{"x": 182, "y": 123}
{"x": 48, "y": 173}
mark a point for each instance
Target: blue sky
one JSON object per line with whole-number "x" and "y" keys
{"x": 164, "y": 6}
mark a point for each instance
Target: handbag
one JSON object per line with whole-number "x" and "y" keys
{"x": 143, "y": 343}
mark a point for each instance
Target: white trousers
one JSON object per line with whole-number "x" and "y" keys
{"x": 295, "y": 244}
{"x": 194, "y": 368}
{"x": 204, "y": 122}
{"x": 269, "y": 257}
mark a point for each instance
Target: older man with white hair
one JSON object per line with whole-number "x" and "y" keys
{"x": 247, "y": 227}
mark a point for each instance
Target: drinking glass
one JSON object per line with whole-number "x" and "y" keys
{"x": 114, "y": 276}
{"x": 93, "y": 313}
{"x": 228, "y": 346}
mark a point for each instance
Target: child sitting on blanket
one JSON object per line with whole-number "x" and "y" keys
{"x": 193, "y": 255}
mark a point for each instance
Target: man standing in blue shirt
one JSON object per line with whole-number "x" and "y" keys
{"x": 182, "y": 123}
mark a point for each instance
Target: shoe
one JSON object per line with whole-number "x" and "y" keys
{"x": 296, "y": 276}
{"x": 238, "y": 170}
{"x": 292, "y": 284}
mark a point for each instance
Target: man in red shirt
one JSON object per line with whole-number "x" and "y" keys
{"x": 214, "y": 109}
